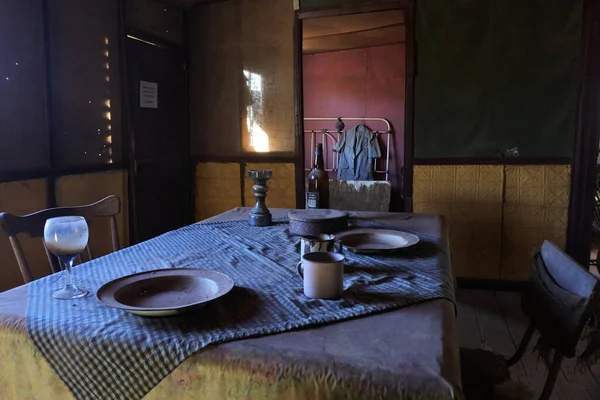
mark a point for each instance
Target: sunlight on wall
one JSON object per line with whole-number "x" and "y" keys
{"x": 108, "y": 134}
{"x": 259, "y": 139}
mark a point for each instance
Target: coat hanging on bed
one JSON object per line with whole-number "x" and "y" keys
{"x": 357, "y": 147}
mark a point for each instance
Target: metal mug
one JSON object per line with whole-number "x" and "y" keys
{"x": 316, "y": 244}
{"x": 322, "y": 274}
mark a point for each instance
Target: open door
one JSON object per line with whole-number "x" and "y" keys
{"x": 354, "y": 73}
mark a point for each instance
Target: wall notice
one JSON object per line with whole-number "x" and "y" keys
{"x": 148, "y": 94}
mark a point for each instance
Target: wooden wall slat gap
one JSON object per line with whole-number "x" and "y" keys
{"x": 353, "y": 8}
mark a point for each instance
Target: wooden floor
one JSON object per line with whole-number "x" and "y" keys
{"x": 494, "y": 320}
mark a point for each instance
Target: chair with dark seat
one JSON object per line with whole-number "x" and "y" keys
{"x": 558, "y": 302}
{"x": 33, "y": 226}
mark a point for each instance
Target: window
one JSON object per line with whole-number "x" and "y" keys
{"x": 259, "y": 139}
{"x": 84, "y": 66}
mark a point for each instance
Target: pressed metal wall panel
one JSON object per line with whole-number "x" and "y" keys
{"x": 282, "y": 188}
{"x": 498, "y": 215}
{"x": 470, "y": 199}
{"x": 218, "y": 189}
{"x": 535, "y": 208}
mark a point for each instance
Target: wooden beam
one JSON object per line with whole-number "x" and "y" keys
{"x": 493, "y": 161}
{"x": 298, "y": 114}
{"x": 409, "y": 111}
{"x": 355, "y": 8}
{"x": 353, "y": 40}
{"x": 351, "y": 32}
{"x": 583, "y": 172}
{"x": 349, "y": 23}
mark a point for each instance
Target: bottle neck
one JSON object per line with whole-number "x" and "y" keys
{"x": 319, "y": 163}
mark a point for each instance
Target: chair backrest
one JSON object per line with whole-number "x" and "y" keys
{"x": 360, "y": 195}
{"x": 33, "y": 226}
{"x": 560, "y": 298}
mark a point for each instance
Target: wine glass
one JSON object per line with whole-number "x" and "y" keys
{"x": 66, "y": 237}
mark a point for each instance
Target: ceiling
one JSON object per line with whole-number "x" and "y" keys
{"x": 327, "y": 34}
{"x": 320, "y": 35}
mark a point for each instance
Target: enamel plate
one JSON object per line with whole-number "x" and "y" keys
{"x": 370, "y": 240}
{"x": 164, "y": 292}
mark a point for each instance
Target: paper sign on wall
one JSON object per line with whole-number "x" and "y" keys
{"x": 148, "y": 94}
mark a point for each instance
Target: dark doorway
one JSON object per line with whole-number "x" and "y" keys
{"x": 157, "y": 88}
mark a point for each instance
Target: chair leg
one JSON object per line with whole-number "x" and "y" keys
{"x": 552, "y": 375}
{"x": 53, "y": 261}
{"x": 522, "y": 346}
{"x": 89, "y": 253}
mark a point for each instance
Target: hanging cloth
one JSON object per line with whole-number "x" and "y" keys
{"x": 357, "y": 147}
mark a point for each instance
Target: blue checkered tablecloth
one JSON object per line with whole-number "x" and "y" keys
{"x": 104, "y": 353}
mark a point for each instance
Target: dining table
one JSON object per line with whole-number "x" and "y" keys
{"x": 405, "y": 350}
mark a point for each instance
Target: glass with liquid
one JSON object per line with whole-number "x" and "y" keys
{"x": 66, "y": 238}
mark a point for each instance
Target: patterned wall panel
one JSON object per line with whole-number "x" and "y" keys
{"x": 218, "y": 188}
{"x": 282, "y": 186}
{"x": 73, "y": 190}
{"x": 22, "y": 198}
{"x": 536, "y": 208}
{"x": 470, "y": 199}
{"x": 497, "y": 215}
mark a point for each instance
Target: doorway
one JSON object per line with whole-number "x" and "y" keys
{"x": 357, "y": 63}
{"x": 161, "y": 194}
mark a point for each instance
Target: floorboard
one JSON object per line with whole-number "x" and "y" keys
{"x": 468, "y": 329}
{"x": 493, "y": 320}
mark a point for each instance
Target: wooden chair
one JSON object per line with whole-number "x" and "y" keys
{"x": 558, "y": 302}
{"x": 33, "y": 226}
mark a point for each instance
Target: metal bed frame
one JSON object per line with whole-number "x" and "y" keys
{"x": 328, "y": 134}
